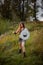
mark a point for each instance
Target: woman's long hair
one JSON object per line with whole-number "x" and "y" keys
{"x": 22, "y": 24}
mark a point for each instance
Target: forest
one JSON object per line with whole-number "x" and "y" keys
{"x": 24, "y": 9}
{"x": 12, "y": 12}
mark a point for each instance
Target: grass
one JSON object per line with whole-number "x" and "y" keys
{"x": 9, "y": 45}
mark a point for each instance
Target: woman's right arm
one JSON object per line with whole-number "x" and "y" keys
{"x": 17, "y": 31}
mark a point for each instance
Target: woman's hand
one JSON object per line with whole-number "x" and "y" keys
{"x": 14, "y": 32}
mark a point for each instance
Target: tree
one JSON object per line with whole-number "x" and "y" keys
{"x": 21, "y": 8}
{"x": 6, "y": 11}
{"x": 34, "y": 1}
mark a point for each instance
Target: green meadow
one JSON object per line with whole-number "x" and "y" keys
{"x": 9, "y": 44}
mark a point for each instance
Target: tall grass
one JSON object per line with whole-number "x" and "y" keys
{"x": 9, "y": 44}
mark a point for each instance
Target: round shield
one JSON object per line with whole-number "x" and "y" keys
{"x": 25, "y": 34}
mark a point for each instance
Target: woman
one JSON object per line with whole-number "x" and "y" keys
{"x": 21, "y": 41}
